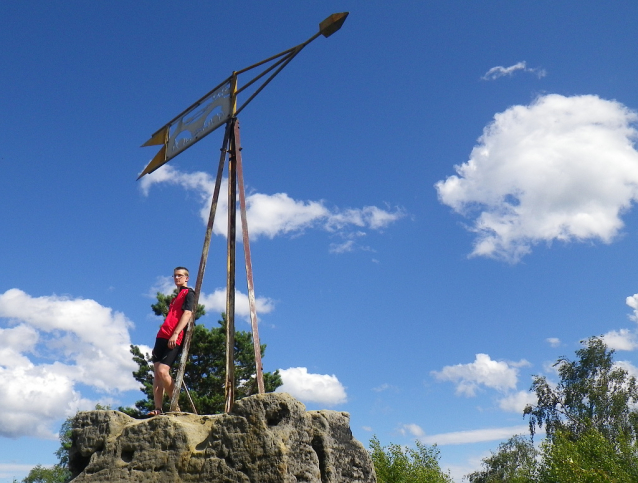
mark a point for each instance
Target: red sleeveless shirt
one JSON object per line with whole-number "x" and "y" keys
{"x": 175, "y": 311}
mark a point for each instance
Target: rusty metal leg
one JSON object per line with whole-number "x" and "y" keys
{"x": 249, "y": 267}
{"x": 179, "y": 379}
{"x": 230, "y": 280}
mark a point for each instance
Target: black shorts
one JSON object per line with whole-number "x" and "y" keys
{"x": 162, "y": 353}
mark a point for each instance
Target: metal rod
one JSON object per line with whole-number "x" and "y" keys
{"x": 255, "y": 79}
{"x": 261, "y": 62}
{"x": 267, "y": 81}
{"x": 200, "y": 273}
{"x": 230, "y": 279}
{"x": 300, "y": 46}
{"x": 249, "y": 267}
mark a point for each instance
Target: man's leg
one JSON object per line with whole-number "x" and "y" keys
{"x": 162, "y": 382}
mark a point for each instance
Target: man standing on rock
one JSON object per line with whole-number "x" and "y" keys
{"x": 169, "y": 339}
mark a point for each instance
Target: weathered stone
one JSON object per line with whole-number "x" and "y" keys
{"x": 267, "y": 438}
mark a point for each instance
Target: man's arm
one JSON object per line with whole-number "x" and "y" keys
{"x": 186, "y": 316}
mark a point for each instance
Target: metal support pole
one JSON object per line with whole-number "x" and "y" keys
{"x": 230, "y": 279}
{"x": 200, "y": 274}
{"x": 249, "y": 267}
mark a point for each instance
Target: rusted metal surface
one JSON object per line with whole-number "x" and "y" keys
{"x": 332, "y": 23}
{"x": 230, "y": 279}
{"x": 200, "y": 273}
{"x": 249, "y": 266}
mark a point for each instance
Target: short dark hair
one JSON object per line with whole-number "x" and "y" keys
{"x": 181, "y": 268}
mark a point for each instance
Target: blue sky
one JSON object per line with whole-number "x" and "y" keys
{"x": 441, "y": 203}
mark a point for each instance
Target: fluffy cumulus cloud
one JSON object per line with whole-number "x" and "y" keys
{"x": 51, "y": 344}
{"x": 621, "y": 340}
{"x": 516, "y": 402}
{"x": 625, "y": 339}
{"x": 312, "y": 388}
{"x": 500, "y": 71}
{"x": 633, "y": 303}
{"x": 216, "y": 303}
{"x": 412, "y": 430}
{"x": 278, "y": 214}
{"x": 553, "y": 341}
{"x": 484, "y": 371}
{"x": 561, "y": 168}
{"x": 163, "y": 284}
{"x": 629, "y": 367}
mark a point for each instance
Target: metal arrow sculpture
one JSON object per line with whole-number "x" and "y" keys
{"x": 217, "y": 108}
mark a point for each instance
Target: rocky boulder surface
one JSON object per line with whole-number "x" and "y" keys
{"x": 267, "y": 438}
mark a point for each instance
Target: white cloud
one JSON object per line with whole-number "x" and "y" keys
{"x": 498, "y": 375}
{"x": 553, "y": 341}
{"x": 562, "y": 168}
{"x": 349, "y": 244}
{"x": 412, "y": 430}
{"x": 521, "y": 363}
{"x": 515, "y": 403}
{"x": 633, "y": 303}
{"x": 622, "y": 340}
{"x": 272, "y": 215}
{"x": 366, "y": 217}
{"x": 474, "y": 436}
{"x": 551, "y": 368}
{"x": 314, "y": 388}
{"x": 276, "y": 214}
{"x": 500, "y": 71}
{"x": 629, "y": 367}
{"x": 344, "y": 247}
{"x": 163, "y": 284}
{"x": 216, "y": 302}
{"x": 50, "y": 344}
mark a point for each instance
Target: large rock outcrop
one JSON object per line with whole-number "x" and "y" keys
{"x": 267, "y": 438}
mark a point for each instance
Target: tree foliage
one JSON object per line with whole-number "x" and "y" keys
{"x": 592, "y": 392}
{"x": 395, "y": 464}
{"x": 43, "y": 474}
{"x": 66, "y": 431}
{"x": 591, "y": 424}
{"x": 205, "y": 372}
{"x": 514, "y": 461}
{"x": 587, "y": 458}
